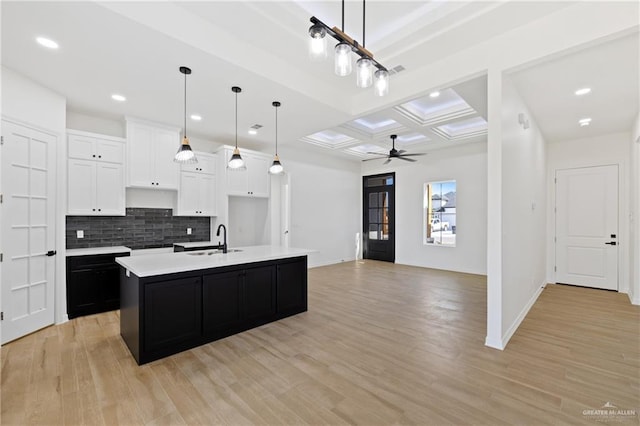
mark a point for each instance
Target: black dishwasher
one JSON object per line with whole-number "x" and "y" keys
{"x": 93, "y": 284}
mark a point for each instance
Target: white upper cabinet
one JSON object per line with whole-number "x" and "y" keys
{"x": 86, "y": 146}
{"x": 253, "y": 182}
{"x": 206, "y": 164}
{"x": 150, "y": 152}
{"x": 95, "y": 174}
{"x": 197, "y": 193}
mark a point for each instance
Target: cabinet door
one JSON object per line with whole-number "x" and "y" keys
{"x": 258, "y": 176}
{"x": 81, "y": 187}
{"x": 292, "y": 286}
{"x": 110, "y": 195}
{"x": 165, "y": 146}
{"x": 172, "y": 313}
{"x": 140, "y": 162}
{"x": 206, "y": 164}
{"x": 207, "y": 194}
{"x": 259, "y": 293}
{"x": 109, "y": 279}
{"x": 109, "y": 151}
{"x": 81, "y": 147}
{"x": 83, "y": 293}
{"x": 237, "y": 180}
{"x": 221, "y": 298}
{"x": 188, "y": 203}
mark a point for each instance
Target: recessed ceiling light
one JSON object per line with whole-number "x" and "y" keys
{"x": 253, "y": 132}
{"x": 583, "y": 91}
{"x": 196, "y": 117}
{"x": 584, "y": 122}
{"x": 46, "y": 42}
{"x": 118, "y": 98}
{"x": 434, "y": 94}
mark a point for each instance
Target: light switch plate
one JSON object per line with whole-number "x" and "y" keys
{"x": 188, "y": 231}
{"x": 80, "y": 233}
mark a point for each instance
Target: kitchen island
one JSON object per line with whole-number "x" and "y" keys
{"x": 172, "y": 302}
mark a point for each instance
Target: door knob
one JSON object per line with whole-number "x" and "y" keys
{"x": 612, "y": 243}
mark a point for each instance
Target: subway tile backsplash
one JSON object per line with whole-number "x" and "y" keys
{"x": 139, "y": 229}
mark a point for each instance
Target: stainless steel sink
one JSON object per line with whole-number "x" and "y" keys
{"x": 209, "y": 253}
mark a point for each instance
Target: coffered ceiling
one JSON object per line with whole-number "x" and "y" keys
{"x": 136, "y": 48}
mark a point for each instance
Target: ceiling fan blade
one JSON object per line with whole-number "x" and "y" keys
{"x": 414, "y": 154}
{"x": 402, "y": 151}
{"x": 387, "y": 162}
{"x": 374, "y": 158}
{"x": 407, "y": 159}
{"x": 376, "y": 153}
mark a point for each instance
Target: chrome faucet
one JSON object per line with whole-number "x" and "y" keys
{"x": 224, "y": 244}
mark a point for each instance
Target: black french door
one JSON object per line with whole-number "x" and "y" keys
{"x": 379, "y": 217}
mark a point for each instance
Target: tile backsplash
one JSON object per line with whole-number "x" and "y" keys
{"x": 140, "y": 229}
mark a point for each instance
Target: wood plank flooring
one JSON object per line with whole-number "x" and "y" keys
{"x": 381, "y": 344}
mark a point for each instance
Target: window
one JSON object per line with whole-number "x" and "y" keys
{"x": 440, "y": 213}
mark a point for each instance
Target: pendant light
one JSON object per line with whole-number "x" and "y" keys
{"x": 369, "y": 71}
{"x": 318, "y": 43}
{"x": 364, "y": 75}
{"x": 185, "y": 155}
{"x": 276, "y": 167}
{"x": 236, "y": 162}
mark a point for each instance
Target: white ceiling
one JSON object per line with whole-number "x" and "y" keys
{"x": 135, "y": 48}
{"x": 610, "y": 69}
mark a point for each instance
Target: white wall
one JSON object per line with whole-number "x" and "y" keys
{"x": 634, "y": 214}
{"x": 595, "y": 151}
{"x": 523, "y": 210}
{"x": 94, "y": 124}
{"x": 249, "y": 222}
{"x": 325, "y": 205}
{"x": 467, "y": 165}
{"x": 27, "y": 102}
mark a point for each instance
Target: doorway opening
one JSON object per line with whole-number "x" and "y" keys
{"x": 379, "y": 217}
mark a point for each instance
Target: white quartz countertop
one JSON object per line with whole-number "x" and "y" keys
{"x": 170, "y": 263}
{"x": 97, "y": 250}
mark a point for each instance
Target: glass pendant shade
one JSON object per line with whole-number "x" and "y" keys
{"x": 185, "y": 155}
{"x": 276, "y": 167}
{"x": 364, "y": 69}
{"x": 381, "y": 82}
{"x": 343, "y": 65}
{"x": 236, "y": 162}
{"x": 317, "y": 43}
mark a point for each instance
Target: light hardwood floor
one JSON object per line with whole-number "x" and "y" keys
{"x": 380, "y": 344}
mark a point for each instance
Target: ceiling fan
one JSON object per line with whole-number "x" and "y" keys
{"x": 394, "y": 153}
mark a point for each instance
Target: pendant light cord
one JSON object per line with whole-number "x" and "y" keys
{"x": 236, "y": 120}
{"x": 276, "y": 130}
{"x": 342, "y": 15}
{"x": 363, "y": 15}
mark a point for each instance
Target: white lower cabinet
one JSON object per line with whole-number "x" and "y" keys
{"x": 197, "y": 191}
{"x": 95, "y": 174}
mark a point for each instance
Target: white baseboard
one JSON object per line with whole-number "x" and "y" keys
{"x": 494, "y": 343}
{"x": 329, "y": 262}
{"x": 511, "y": 330}
{"x": 635, "y": 300}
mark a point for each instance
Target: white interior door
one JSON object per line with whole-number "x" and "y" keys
{"x": 28, "y": 230}
{"x": 587, "y": 227}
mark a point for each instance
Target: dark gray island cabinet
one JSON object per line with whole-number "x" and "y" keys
{"x": 164, "y": 314}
